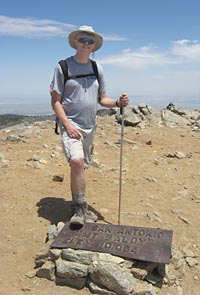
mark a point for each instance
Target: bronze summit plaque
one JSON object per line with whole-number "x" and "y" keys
{"x": 147, "y": 244}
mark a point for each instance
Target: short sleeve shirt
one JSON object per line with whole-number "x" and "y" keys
{"x": 79, "y": 95}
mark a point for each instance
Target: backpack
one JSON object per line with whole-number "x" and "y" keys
{"x": 64, "y": 68}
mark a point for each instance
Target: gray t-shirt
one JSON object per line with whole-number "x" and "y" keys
{"x": 80, "y": 95}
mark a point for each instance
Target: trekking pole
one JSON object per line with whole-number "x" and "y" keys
{"x": 121, "y": 154}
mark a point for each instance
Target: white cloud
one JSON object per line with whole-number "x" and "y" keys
{"x": 140, "y": 59}
{"x": 30, "y": 27}
{"x": 189, "y": 50}
{"x": 113, "y": 38}
{"x": 181, "y": 52}
{"x": 182, "y": 42}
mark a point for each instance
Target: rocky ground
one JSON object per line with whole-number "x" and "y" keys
{"x": 161, "y": 185}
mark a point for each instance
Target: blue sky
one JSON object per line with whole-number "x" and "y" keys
{"x": 151, "y": 48}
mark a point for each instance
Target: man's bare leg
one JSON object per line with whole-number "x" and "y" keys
{"x": 78, "y": 187}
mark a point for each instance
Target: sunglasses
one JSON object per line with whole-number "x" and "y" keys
{"x": 84, "y": 40}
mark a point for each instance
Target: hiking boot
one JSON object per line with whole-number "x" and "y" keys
{"x": 90, "y": 217}
{"x": 79, "y": 216}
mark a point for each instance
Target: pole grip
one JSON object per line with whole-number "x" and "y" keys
{"x": 121, "y": 108}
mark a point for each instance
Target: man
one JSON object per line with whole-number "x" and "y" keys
{"x": 75, "y": 104}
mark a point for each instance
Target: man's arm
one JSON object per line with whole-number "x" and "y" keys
{"x": 60, "y": 113}
{"x": 108, "y": 102}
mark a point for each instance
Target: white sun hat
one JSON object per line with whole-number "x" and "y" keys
{"x": 86, "y": 29}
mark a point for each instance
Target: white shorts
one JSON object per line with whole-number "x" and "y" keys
{"x": 78, "y": 148}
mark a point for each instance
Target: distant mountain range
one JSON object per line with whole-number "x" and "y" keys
{"x": 9, "y": 120}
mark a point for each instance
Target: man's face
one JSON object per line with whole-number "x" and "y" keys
{"x": 85, "y": 42}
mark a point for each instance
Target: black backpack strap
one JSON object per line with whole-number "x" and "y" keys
{"x": 95, "y": 69}
{"x": 56, "y": 128}
{"x": 80, "y": 76}
{"x": 64, "y": 68}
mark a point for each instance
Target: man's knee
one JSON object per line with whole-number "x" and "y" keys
{"x": 77, "y": 163}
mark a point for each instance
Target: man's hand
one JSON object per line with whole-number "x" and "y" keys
{"x": 123, "y": 100}
{"x": 72, "y": 131}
